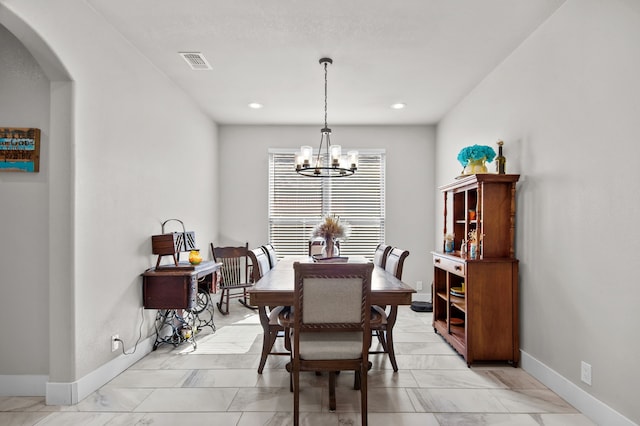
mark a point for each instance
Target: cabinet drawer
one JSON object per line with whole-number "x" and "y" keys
{"x": 169, "y": 292}
{"x": 457, "y": 268}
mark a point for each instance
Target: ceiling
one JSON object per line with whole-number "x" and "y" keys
{"x": 427, "y": 54}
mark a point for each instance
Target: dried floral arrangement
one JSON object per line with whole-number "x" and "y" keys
{"x": 476, "y": 152}
{"x": 332, "y": 227}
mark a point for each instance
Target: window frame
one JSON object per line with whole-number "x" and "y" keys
{"x": 359, "y": 199}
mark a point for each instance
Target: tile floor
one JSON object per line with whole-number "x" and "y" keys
{"x": 218, "y": 384}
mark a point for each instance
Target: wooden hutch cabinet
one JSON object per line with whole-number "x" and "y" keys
{"x": 475, "y": 300}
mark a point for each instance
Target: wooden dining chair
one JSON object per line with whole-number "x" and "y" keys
{"x": 395, "y": 261}
{"x": 331, "y": 326}
{"x": 380, "y": 255}
{"x": 259, "y": 263}
{"x": 393, "y": 265}
{"x": 268, "y": 315}
{"x": 316, "y": 245}
{"x": 235, "y": 275}
{"x": 271, "y": 252}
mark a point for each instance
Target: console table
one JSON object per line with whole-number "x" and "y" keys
{"x": 181, "y": 295}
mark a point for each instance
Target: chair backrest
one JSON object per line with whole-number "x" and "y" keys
{"x": 259, "y": 263}
{"x": 235, "y": 264}
{"x": 380, "y": 255}
{"x": 316, "y": 245}
{"x": 271, "y": 253}
{"x": 395, "y": 261}
{"x": 332, "y": 298}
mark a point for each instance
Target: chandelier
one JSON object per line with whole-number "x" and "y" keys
{"x": 332, "y": 163}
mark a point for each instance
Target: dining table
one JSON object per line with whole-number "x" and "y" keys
{"x": 276, "y": 288}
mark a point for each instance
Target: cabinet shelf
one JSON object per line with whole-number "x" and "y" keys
{"x": 489, "y": 307}
{"x": 442, "y": 296}
{"x": 459, "y": 304}
{"x": 456, "y": 334}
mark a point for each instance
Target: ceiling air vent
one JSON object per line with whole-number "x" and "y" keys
{"x": 196, "y": 60}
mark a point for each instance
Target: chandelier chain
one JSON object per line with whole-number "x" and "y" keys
{"x": 325, "y": 95}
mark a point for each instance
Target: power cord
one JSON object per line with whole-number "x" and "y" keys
{"x": 137, "y": 341}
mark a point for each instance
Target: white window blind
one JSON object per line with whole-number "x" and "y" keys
{"x": 297, "y": 203}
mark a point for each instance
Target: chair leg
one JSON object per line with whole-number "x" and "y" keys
{"x": 332, "y": 391}
{"x": 287, "y": 339}
{"x": 363, "y": 396}
{"x": 296, "y": 397}
{"x": 224, "y": 301}
{"x": 289, "y": 369}
{"x": 392, "y": 354}
{"x": 268, "y": 340}
{"x": 382, "y": 340}
{"x": 244, "y": 300}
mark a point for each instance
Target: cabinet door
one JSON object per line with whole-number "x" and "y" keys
{"x": 498, "y": 220}
{"x": 491, "y": 311}
{"x": 169, "y": 291}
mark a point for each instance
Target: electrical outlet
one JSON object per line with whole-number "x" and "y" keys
{"x": 585, "y": 372}
{"x": 115, "y": 342}
{"x": 418, "y": 285}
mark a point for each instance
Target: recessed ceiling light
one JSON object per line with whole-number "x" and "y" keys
{"x": 255, "y": 105}
{"x": 398, "y": 105}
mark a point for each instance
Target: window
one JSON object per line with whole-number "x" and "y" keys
{"x": 297, "y": 203}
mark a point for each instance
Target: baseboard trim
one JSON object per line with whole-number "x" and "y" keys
{"x": 596, "y": 410}
{"x": 71, "y": 393}
{"x": 23, "y": 384}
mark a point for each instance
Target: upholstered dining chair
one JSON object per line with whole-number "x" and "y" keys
{"x": 380, "y": 255}
{"x": 331, "y": 326}
{"x": 393, "y": 265}
{"x": 259, "y": 263}
{"x": 271, "y": 253}
{"x": 316, "y": 245}
{"x": 234, "y": 275}
{"x": 269, "y": 315}
{"x": 395, "y": 261}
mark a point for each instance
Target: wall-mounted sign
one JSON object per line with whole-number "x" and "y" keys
{"x": 19, "y": 149}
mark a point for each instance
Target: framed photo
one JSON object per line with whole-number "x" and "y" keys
{"x": 19, "y": 149}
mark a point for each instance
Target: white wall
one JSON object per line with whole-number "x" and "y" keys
{"x": 140, "y": 152}
{"x": 566, "y": 103}
{"x": 24, "y": 212}
{"x": 409, "y": 178}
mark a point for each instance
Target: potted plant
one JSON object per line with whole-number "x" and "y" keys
{"x": 473, "y": 158}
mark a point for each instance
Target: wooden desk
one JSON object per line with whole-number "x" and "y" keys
{"x": 181, "y": 294}
{"x": 275, "y": 288}
{"x": 176, "y": 287}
